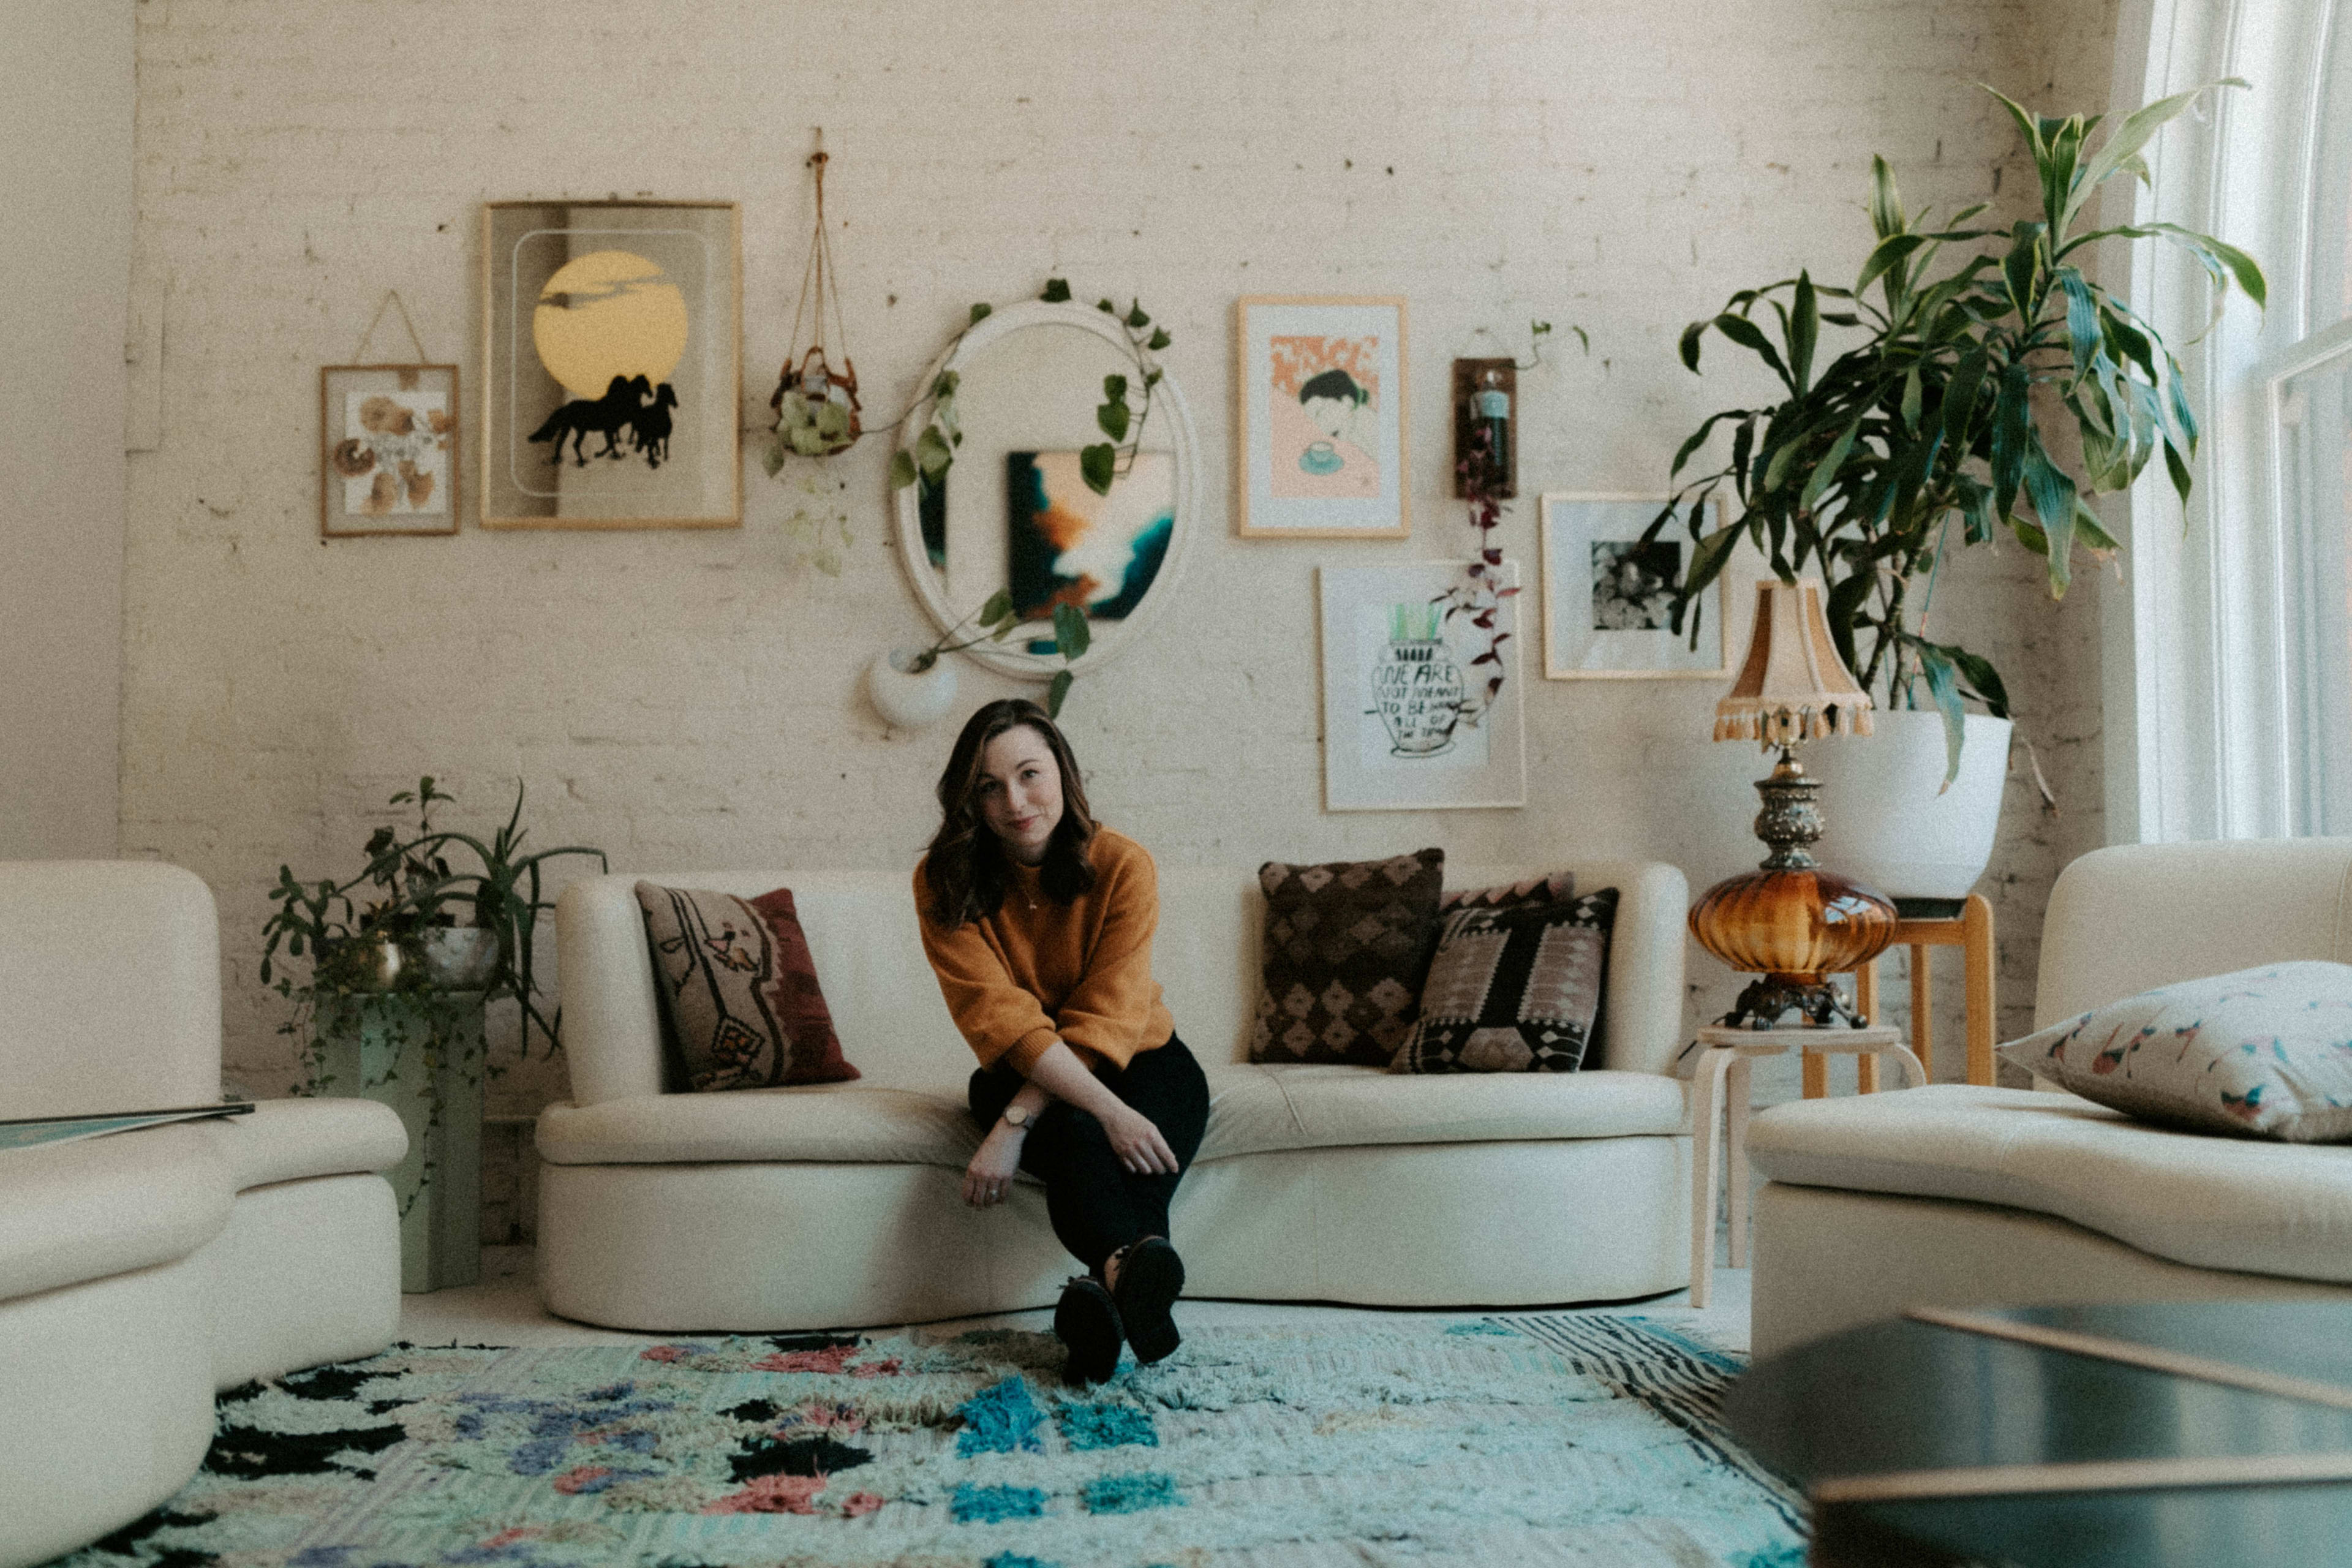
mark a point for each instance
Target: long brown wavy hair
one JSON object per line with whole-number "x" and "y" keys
{"x": 967, "y": 869}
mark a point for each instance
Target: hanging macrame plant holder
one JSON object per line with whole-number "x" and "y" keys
{"x": 816, "y": 404}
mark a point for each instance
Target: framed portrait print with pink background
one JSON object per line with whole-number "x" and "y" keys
{"x": 1319, "y": 401}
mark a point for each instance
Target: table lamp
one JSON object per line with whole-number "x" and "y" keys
{"x": 1789, "y": 920}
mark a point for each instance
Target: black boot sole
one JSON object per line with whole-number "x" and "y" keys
{"x": 1087, "y": 1321}
{"x": 1150, "y": 1278}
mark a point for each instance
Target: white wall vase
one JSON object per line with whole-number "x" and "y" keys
{"x": 1885, "y": 822}
{"x": 909, "y": 698}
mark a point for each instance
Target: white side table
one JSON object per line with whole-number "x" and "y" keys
{"x": 1719, "y": 1097}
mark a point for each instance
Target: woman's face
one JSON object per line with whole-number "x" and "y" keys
{"x": 1331, "y": 414}
{"x": 1021, "y": 792}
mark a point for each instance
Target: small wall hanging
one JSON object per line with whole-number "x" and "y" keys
{"x": 1401, "y": 681}
{"x": 388, "y": 442}
{"x": 611, "y": 338}
{"x": 817, "y": 410}
{"x": 1320, "y": 399}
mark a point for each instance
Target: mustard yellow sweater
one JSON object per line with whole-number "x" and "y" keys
{"x": 1037, "y": 970}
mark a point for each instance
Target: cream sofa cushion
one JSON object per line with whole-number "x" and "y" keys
{"x": 1251, "y": 1110}
{"x": 2213, "y": 1202}
{"x": 293, "y": 1140}
{"x": 77, "y": 1212}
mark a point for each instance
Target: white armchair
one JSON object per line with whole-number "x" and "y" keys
{"x": 139, "y": 1272}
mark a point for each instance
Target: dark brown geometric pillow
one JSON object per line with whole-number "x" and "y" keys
{"x": 1556, "y": 889}
{"x": 1347, "y": 944}
{"x": 1512, "y": 990}
{"x": 741, "y": 1007}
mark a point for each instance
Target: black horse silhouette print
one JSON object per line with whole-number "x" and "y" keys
{"x": 624, "y": 406}
{"x": 652, "y": 425}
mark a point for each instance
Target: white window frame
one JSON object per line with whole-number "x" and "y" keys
{"x": 2205, "y": 697}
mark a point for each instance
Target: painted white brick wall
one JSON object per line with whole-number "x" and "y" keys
{"x": 691, "y": 700}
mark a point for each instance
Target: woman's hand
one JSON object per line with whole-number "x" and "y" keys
{"x": 1136, "y": 1140}
{"x": 990, "y": 1175}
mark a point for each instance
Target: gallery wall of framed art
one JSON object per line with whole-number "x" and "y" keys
{"x": 611, "y": 350}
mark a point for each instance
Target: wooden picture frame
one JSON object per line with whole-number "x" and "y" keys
{"x": 1626, "y": 638}
{"x": 1317, "y": 460}
{"x": 611, "y": 335}
{"x": 389, "y": 463}
{"x": 1393, "y": 663}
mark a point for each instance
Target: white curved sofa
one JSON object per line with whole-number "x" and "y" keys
{"x": 837, "y": 1205}
{"x": 1954, "y": 1195}
{"x": 140, "y": 1271}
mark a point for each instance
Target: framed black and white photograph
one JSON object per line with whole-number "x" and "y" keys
{"x": 1608, "y": 609}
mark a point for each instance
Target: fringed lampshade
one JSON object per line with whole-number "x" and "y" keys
{"x": 1789, "y": 921}
{"x": 1794, "y": 687}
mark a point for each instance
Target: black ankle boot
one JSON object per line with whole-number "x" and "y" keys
{"x": 1087, "y": 1321}
{"x": 1150, "y": 1278}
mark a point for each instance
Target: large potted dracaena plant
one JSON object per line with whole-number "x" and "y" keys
{"x": 1939, "y": 429}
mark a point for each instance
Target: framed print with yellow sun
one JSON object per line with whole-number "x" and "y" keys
{"x": 611, "y": 334}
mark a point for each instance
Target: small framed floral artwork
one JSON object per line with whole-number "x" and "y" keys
{"x": 388, "y": 457}
{"x": 1320, "y": 402}
{"x": 1607, "y": 612}
{"x": 1409, "y": 721}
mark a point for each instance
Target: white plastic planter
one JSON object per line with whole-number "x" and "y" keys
{"x": 1885, "y": 822}
{"x": 907, "y": 699}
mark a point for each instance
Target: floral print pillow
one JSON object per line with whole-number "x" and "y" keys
{"x": 2260, "y": 1052}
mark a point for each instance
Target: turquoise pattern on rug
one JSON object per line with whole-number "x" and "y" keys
{"x": 1537, "y": 1440}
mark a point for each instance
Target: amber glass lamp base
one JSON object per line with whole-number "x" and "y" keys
{"x": 1789, "y": 921}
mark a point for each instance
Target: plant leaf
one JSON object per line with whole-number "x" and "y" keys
{"x": 1072, "y": 635}
{"x": 980, "y": 313}
{"x": 1057, "y": 291}
{"x": 2053, "y": 494}
{"x": 1097, "y": 465}
{"x": 1804, "y": 332}
{"x": 2134, "y": 132}
{"x": 1135, "y": 318}
{"x": 1944, "y": 689}
{"x": 1058, "y": 692}
{"x": 932, "y": 453}
{"x": 902, "y": 469}
{"x": 998, "y": 608}
{"x": 1159, "y": 340}
{"x": 1112, "y": 417}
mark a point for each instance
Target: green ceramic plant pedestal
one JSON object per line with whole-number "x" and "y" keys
{"x": 421, "y": 1053}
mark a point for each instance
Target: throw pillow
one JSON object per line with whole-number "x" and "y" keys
{"x": 1556, "y": 889}
{"x": 741, "y": 1006}
{"x": 2265, "y": 1052}
{"x": 1347, "y": 944}
{"x": 1512, "y": 990}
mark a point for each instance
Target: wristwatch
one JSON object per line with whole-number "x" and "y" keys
{"x": 1016, "y": 1115}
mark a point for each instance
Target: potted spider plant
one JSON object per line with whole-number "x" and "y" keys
{"x": 1935, "y": 427}
{"x": 404, "y": 956}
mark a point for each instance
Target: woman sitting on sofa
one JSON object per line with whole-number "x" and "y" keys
{"x": 1038, "y": 923}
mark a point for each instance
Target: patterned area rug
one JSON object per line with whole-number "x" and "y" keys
{"x": 1554, "y": 1440}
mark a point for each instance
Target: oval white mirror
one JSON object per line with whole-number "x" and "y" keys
{"x": 1014, "y": 512}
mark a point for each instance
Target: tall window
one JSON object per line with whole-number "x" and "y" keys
{"x": 2310, "y": 405}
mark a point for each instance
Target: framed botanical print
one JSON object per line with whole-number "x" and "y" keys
{"x": 388, "y": 450}
{"x": 1320, "y": 406}
{"x": 610, "y": 341}
{"x": 1406, "y": 722}
{"x": 1607, "y": 612}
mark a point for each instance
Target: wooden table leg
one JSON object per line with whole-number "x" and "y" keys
{"x": 1923, "y": 1017}
{"x": 1866, "y": 1073}
{"x": 1706, "y": 1117}
{"x": 1976, "y": 957}
{"x": 1735, "y": 1161}
{"x": 1817, "y": 1075}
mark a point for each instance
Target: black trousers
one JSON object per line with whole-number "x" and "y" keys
{"x": 1097, "y": 1205}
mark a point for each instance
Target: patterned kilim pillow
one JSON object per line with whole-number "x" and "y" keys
{"x": 739, "y": 1003}
{"x": 1556, "y": 889}
{"x": 1347, "y": 944}
{"x": 1512, "y": 990}
{"x": 2265, "y": 1052}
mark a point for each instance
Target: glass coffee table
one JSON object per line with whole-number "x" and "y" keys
{"x": 2173, "y": 1434}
